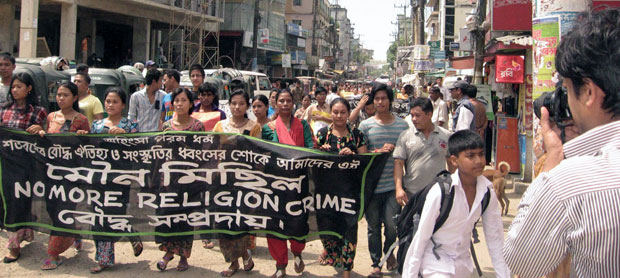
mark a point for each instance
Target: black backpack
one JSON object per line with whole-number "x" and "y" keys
{"x": 408, "y": 220}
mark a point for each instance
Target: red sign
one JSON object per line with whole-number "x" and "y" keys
{"x": 601, "y": 5}
{"x": 509, "y": 69}
{"x": 512, "y": 15}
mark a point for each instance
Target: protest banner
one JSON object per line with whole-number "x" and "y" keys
{"x": 158, "y": 185}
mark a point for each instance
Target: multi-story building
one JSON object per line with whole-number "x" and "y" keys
{"x": 405, "y": 29}
{"x": 345, "y": 31}
{"x": 237, "y": 34}
{"x": 118, "y": 32}
{"x": 296, "y": 41}
{"x": 312, "y": 15}
{"x": 445, "y": 21}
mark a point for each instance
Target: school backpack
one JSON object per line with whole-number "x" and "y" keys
{"x": 408, "y": 220}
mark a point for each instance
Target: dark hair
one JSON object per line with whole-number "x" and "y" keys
{"x": 116, "y": 90}
{"x": 335, "y": 88}
{"x": 241, "y": 92}
{"x": 74, "y": 91}
{"x": 172, "y": 73}
{"x": 31, "y": 98}
{"x": 86, "y": 77}
{"x": 7, "y": 56}
{"x": 306, "y": 95}
{"x": 319, "y": 90}
{"x": 343, "y": 101}
{"x": 81, "y": 68}
{"x": 280, "y": 92}
{"x": 424, "y": 103}
{"x": 198, "y": 68}
{"x": 274, "y": 89}
{"x": 264, "y": 100}
{"x": 592, "y": 50}
{"x": 382, "y": 87}
{"x": 208, "y": 87}
{"x": 189, "y": 95}
{"x": 471, "y": 91}
{"x": 435, "y": 90}
{"x": 152, "y": 75}
{"x": 464, "y": 140}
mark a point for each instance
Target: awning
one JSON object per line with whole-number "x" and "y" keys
{"x": 524, "y": 40}
{"x": 466, "y": 62}
{"x": 510, "y": 43}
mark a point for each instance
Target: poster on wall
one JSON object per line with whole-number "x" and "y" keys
{"x": 509, "y": 69}
{"x": 546, "y": 34}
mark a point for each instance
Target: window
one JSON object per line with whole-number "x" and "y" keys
{"x": 298, "y": 22}
{"x": 296, "y": 2}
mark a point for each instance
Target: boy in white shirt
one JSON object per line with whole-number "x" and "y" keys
{"x": 451, "y": 242}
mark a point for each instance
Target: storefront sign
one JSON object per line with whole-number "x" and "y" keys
{"x": 546, "y": 34}
{"x": 423, "y": 65}
{"x": 512, "y": 15}
{"x": 509, "y": 69}
{"x": 421, "y": 52}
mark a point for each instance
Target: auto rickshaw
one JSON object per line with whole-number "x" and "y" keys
{"x": 45, "y": 82}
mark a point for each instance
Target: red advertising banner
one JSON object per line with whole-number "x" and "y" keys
{"x": 599, "y": 5}
{"x": 509, "y": 69}
{"x": 511, "y": 15}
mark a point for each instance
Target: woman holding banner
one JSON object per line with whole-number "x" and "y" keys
{"x": 340, "y": 138}
{"x": 65, "y": 120}
{"x": 182, "y": 100}
{"x": 22, "y": 113}
{"x": 115, "y": 123}
{"x": 286, "y": 129}
{"x": 235, "y": 247}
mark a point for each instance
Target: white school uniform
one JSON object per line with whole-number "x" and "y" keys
{"x": 453, "y": 238}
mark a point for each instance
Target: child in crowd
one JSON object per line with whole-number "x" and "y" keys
{"x": 445, "y": 253}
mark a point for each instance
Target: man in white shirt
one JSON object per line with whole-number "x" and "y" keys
{"x": 145, "y": 105}
{"x": 445, "y": 253}
{"x": 464, "y": 114}
{"x": 440, "y": 108}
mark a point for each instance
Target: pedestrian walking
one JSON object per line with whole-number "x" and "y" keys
{"x": 342, "y": 139}
{"x": 171, "y": 81}
{"x": 464, "y": 114}
{"x": 145, "y": 105}
{"x": 318, "y": 114}
{"x": 382, "y": 130}
{"x": 440, "y": 108}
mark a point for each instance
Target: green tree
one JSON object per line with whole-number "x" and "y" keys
{"x": 391, "y": 53}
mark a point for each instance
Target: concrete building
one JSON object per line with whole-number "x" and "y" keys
{"x": 405, "y": 28}
{"x": 312, "y": 15}
{"x": 237, "y": 34}
{"x": 118, "y": 32}
{"x": 345, "y": 33}
{"x": 445, "y": 21}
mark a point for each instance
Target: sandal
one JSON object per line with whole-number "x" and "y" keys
{"x": 376, "y": 274}
{"x": 161, "y": 265}
{"x": 182, "y": 266}
{"x": 99, "y": 268}
{"x": 51, "y": 264}
{"x": 323, "y": 258}
{"x": 208, "y": 244}
{"x": 248, "y": 264}
{"x": 137, "y": 248}
{"x": 280, "y": 273}
{"x": 8, "y": 260}
{"x": 229, "y": 272}
{"x": 299, "y": 264}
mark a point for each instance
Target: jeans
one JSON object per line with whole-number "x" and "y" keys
{"x": 381, "y": 210}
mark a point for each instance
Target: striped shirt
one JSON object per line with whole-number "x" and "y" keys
{"x": 572, "y": 209}
{"x": 379, "y": 135}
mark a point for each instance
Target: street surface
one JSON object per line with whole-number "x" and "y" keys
{"x": 203, "y": 262}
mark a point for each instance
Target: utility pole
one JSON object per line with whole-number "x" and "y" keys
{"x": 314, "y": 11}
{"x": 421, "y": 21}
{"x": 255, "y": 30}
{"x": 478, "y": 33}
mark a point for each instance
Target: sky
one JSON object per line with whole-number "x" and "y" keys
{"x": 372, "y": 20}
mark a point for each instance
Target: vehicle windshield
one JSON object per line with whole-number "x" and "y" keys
{"x": 264, "y": 84}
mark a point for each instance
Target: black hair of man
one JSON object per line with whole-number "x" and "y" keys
{"x": 464, "y": 140}
{"x": 424, "y": 103}
{"x": 335, "y": 89}
{"x": 382, "y": 87}
{"x": 81, "y": 68}
{"x": 7, "y": 56}
{"x": 435, "y": 90}
{"x": 85, "y": 76}
{"x": 172, "y": 73}
{"x": 592, "y": 50}
{"x": 319, "y": 90}
{"x": 197, "y": 67}
{"x": 152, "y": 75}
{"x": 471, "y": 91}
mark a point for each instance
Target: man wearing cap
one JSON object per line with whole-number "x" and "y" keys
{"x": 147, "y": 66}
{"x": 464, "y": 114}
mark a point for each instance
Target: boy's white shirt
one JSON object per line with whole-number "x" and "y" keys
{"x": 455, "y": 234}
